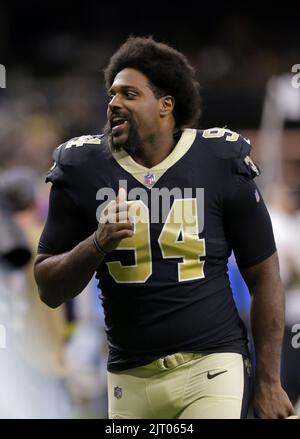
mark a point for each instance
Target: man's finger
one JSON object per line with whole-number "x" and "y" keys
{"x": 121, "y": 234}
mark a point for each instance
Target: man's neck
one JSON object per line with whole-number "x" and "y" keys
{"x": 153, "y": 153}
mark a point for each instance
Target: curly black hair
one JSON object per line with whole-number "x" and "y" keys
{"x": 168, "y": 72}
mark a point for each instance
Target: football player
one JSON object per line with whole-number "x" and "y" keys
{"x": 155, "y": 208}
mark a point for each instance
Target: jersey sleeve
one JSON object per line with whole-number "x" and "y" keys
{"x": 66, "y": 225}
{"x": 233, "y": 150}
{"x": 56, "y": 172}
{"x": 69, "y": 157}
{"x": 247, "y": 222}
{"x": 248, "y": 226}
{"x": 243, "y": 167}
{"x": 63, "y": 229}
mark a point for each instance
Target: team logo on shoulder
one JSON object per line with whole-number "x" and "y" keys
{"x": 117, "y": 392}
{"x": 251, "y": 165}
{"x": 149, "y": 179}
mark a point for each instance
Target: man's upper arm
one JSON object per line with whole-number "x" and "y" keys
{"x": 64, "y": 226}
{"x": 248, "y": 226}
{"x": 263, "y": 273}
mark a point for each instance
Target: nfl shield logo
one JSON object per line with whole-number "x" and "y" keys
{"x": 117, "y": 392}
{"x": 149, "y": 179}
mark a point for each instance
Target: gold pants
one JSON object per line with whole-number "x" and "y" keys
{"x": 182, "y": 386}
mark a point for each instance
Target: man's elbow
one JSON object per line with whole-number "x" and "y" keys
{"x": 49, "y": 299}
{"x": 46, "y": 292}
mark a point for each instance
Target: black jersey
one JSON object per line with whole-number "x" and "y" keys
{"x": 166, "y": 288}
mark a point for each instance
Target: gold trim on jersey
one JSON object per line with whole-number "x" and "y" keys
{"x": 138, "y": 171}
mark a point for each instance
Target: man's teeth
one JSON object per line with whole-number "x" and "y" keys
{"x": 118, "y": 122}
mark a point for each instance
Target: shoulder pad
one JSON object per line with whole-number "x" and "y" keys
{"x": 64, "y": 156}
{"x": 76, "y": 149}
{"x": 78, "y": 144}
{"x": 226, "y": 144}
{"x": 82, "y": 140}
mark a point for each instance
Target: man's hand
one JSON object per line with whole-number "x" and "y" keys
{"x": 271, "y": 402}
{"x": 114, "y": 224}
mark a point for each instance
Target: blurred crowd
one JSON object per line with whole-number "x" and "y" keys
{"x": 52, "y": 361}
{"x": 39, "y": 115}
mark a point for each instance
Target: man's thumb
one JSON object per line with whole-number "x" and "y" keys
{"x": 121, "y": 197}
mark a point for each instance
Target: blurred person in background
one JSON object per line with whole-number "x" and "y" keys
{"x": 150, "y": 106}
{"x": 40, "y": 332}
{"x": 86, "y": 355}
{"x": 15, "y": 253}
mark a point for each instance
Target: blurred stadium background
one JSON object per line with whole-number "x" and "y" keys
{"x": 52, "y": 362}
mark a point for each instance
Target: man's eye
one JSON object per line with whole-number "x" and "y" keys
{"x": 130, "y": 94}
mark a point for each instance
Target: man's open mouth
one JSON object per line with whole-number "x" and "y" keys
{"x": 117, "y": 124}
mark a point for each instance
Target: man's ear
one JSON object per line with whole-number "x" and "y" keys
{"x": 167, "y": 104}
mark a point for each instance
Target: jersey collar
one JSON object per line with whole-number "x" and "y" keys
{"x": 149, "y": 176}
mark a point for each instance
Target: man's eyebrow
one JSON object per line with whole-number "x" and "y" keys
{"x": 124, "y": 87}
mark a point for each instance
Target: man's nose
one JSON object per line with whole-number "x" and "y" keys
{"x": 115, "y": 102}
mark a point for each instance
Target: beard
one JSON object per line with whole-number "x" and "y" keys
{"x": 133, "y": 142}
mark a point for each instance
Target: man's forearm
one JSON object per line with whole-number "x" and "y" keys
{"x": 62, "y": 277}
{"x": 267, "y": 320}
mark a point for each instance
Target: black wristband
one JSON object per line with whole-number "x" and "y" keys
{"x": 98, "y": 246}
